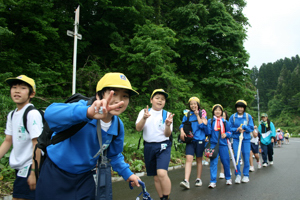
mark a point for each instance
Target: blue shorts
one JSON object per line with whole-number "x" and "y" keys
{"x": 195, "y": 147}
{"x": 254, "y": 148}
{"x": 21, "y": 188}
{"x": 55, "y": 183}
{"x": 157, "y": 156}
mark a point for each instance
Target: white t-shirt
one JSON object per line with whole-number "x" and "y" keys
{"x": 154, "y": 128}
{"x": 254, "y": 139}
{"x": 21, "y": 154}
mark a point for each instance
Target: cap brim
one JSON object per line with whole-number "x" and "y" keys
{"x": 132, "y": 92}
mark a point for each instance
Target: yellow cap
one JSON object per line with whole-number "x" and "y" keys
{"x": 194, "y": 99}
{"x": 240, "y": 102}
{"x": 115, "y": 80}
{"x": 217, "y": 105}
{"x": 160, "y": 91}
{"x": 23, "y": 78}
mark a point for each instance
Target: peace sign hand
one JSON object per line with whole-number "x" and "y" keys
{"x": 146, "y": 113}
{"x": 100, "y": 108}
{"x": 169, "y": 120}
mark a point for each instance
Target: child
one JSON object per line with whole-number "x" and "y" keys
{"x": 22, "y": 90}
{"x": 254, "y": 149}
{"x": 279, "y": 137}
{"x": 68, "y": 171}
{"x": 157, "y": 146}
{"x": 222, "y": 175}
{"x": 219, "y": 131}
{"x": 241, "y": 123}
{"x": 286, "y": 137}
{"x": 268, "y": 133}
{"x": 198, "y": 143}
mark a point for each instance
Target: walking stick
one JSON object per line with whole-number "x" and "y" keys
{"x": 232, "y": 156}
{"x": 241, "y": 137}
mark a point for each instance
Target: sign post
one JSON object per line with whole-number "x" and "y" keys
{"x": 76, "y": 36}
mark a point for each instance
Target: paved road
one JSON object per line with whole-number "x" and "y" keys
{"x": 280, "y": 181}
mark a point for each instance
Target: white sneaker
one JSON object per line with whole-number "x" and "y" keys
{"x": 245, "y": 179}
{"x": 206, "y": 163}
{"x": 259, "y": 165}
{"x": 238, "y": 179}
{"x": 229, "y": 182}
{"x": 222, "y": 175}
{"x": 251, "y": 169}
{"x": 241, "y": 162}
{"x": 271, "y": 162}
{"x": 198, "y": 183}
{"x": 212, "y": 185}
{"x": 185, "y": 184}
{"x": 265, "y": 165}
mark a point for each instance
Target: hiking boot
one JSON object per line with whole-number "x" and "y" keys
{"x": 238, "y": 179}
{"x": 185, "y": 184}
{"x": 251, "y": 169}
{"x": 229, "y": 182}
{"x": 198, "y": 183}
{"x": 222, "y": 175}
{"x": 212, "y": 185}
{"x": 259, "y": 165}
{"x": 265, "y": 165}
{"x": 271, "y": 162}
{"x": 245, "y": 179}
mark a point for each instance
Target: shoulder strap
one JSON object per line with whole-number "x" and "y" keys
{"x": 247, "y": 117}
{"x": 188, "y": 116}
{"x": 12, "y": 114}
{"x": 164, "y": 115}
{"x": 28, "y": 109}
{"x": 234, "y": 118}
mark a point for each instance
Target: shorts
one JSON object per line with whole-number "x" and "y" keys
{"x": 254, "y": 148}
{"x": 55, "y": 183}
{"x": 21, "y": 188}
{"x": 195, "y": 147}
{"x": 286, "y": 138}
{"x": 157, "y": 155}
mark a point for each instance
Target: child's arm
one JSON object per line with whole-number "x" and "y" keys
{"x": 32, "y": 179}
{"x": 140, "y": 125}
{"x": 5, "y": 146}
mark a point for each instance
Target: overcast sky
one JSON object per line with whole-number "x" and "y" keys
{"x": 274, "y": 31}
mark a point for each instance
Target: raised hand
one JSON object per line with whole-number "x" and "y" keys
{"x": 169, "y": 119}
{"x": 93, "y": 111}
{"x": 146, "y": 113}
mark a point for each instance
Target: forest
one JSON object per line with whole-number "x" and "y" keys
{"x": 188, "y": 48}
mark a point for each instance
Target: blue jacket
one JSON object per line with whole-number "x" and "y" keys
{"x": 198, "y": 129}
{"x": 248, "y": 127}
{"x": 75, "y": 154}
{"x": 214, "y": 135}
{"x": 265, "y": 138}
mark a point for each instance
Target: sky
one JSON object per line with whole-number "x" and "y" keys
{"x": 275, "y": 30}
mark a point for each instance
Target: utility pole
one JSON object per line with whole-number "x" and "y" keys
{"x": 258, "y": 107}
{"x": 76, "y": 36}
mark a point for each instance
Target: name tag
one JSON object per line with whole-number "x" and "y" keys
{"x": 200, "y": 142}
{"x": 23, "y": 172}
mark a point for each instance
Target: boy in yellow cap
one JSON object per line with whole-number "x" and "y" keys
{"x": 22, "y": 136}
{"x": 68, "y": 171}
{"x": 157, "y": 147}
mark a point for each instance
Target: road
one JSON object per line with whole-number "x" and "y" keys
{"x": 280, "y": 181}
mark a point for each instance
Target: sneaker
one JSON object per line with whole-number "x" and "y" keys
{"x": 241, "y": 162}
{"x": 229, "y": 182}
{"x": 259, "y": 165}
{"x": 185, "y": 184}
{"x": 251, "y": 169}
{"x": 265, "y": 165}
{"x": 238, "y": 179}
{"x": 206, "y": 163}
{"x": 198, "y": 183}
{"x": 222, "y": 175}
{"x": 271, "y": 162}
{"x": 245, "y": 179}
{"x": 212, "y": 185}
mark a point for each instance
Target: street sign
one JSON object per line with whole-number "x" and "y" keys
{"x": 71, "y": 34}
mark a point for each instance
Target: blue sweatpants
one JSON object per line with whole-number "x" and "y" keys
{"x": 224, "y": 156}
{"x": 245, "y": 151}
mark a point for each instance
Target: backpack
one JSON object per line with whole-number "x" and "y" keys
{"x": 45, "y": 139}
{"x": 187, "y": 128}
{"x": 164, "y": 116}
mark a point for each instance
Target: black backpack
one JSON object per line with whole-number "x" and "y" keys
{"x": 187, "y": 128}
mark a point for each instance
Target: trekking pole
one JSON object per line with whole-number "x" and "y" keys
{"x": 146, "y": 195}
